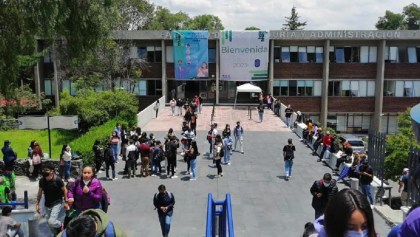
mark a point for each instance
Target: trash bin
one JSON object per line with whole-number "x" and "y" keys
{"x": 354, "y": 183}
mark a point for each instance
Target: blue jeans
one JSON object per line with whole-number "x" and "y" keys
{"x": 165, "y": 224}
{"x": 193, "y": 164}
{"x": 367, "y": 193}
{"x": 261, "y": 115}
{"x": 156, "y": 168}
{"x": 115, "y": 151}
{"x": 67, "y": 167}
{"x": 226, "y": 158}
{"x": 54, "y": 215}
{"x": 288, "y": 121}
{"x": 288, "y": 164}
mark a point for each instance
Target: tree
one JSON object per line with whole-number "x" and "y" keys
{"x": 135, "y": 14}
{"x": 163, "y": 19}
{"x": 412, "y": 17}
{"x": 205, "y": 22}
{"x": 408, "y": 20}
{"x": 292, "y": 22}
{"x": 398, "y": 146}
{"x": 252, "y": 28}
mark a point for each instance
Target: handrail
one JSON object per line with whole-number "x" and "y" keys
{"x": 225, "y": 217}
{"x": 25, "y": 202}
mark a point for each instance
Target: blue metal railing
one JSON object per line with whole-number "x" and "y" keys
{"x": 25, "y": 202}
{"x": 219, "y": 212}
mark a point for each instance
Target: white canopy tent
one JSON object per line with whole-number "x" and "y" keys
{"x": 248, "y": 87}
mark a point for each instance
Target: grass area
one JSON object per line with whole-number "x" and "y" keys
{"x": 20, "y": 140}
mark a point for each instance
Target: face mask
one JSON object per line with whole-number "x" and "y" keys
{"x": 327, "y": 185}
{"x": 352, "y": 233}
{"x": 45, "y": 174}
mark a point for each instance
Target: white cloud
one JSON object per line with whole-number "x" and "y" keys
{"x": 270, "y": 14}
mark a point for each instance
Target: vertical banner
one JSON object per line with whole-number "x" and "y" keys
{"x": 244, "y": 55}
{"x": 190, "y": 54}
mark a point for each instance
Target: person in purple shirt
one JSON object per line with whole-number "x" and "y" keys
{"x": 411, "y": 225}
{"x": 86, "y": 192}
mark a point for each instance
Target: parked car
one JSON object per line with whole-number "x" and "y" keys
{"x": 356, "y": 143}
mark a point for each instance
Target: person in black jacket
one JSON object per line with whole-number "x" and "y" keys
{"x": 322, "y": 191}
{"x": 99, "y": 158}
{"x": 164, "y": 202}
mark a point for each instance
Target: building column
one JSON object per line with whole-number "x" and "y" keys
{"x": 271, "y": 68}
{"x": 56, "y": 66}
{"x": 164, "y": 81}
{"x": 217, "y": 71}
{"x": 379, "y": 86}
{"x": 325, "y": 79}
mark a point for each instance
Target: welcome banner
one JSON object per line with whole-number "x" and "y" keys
{"x": 244, "y": 55}
{"x": 190, "y": 54}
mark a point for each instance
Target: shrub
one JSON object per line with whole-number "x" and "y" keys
{"x": 95, "y": 108}
{"x": 83, "y": 145}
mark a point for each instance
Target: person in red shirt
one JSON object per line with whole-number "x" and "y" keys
{"x": 145, "y": 150}
{"x": 326, "y": 140}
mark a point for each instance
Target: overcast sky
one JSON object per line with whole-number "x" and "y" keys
{"x": 269, "y": 14}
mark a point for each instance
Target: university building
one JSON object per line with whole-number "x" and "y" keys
{"x": 349, "y": 80}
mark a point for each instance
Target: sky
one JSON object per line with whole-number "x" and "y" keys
{"x": 270, "y": 14}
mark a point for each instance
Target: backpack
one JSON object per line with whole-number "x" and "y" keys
{"x": 222, "y": 152}
{"x": 108, "y": 155}
{"x": 289, "y": 152}
{"x": 109, "y": 231}
{"x": 210, "y": 135}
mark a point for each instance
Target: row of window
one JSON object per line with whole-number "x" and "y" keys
{"x": 138, "y": 87}
{"x": 288, "y": 54}
{"x": 354, "y": 88}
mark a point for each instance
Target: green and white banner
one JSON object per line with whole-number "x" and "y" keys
{"x": 244, "y": 55}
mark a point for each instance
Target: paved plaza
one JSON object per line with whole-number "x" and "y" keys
{"x": 264, "y": 204}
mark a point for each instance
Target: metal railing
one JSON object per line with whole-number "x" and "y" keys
{"x": 25, "y": 202}
{"x": 219, "y": 217}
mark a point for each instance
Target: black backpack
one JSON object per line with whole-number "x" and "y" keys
{"x": 289, "y": 152}
{"x": 222, "y": 153}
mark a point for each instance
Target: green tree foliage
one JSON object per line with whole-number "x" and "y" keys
{"x": 135, "y": 14}
{"x": 205, "y": 22}
{"x": 408, "y": 20}
{"x": 163, "y": 19}
{"x": 95, "y": 108}
{"x": 252, "y": 28}
{"x": 292, "y": 22}
{"x": 398, "y": 145}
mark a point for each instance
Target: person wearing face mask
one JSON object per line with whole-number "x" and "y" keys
{"x": 348, "y": 214}
{"x": 164, "y": 202}
{"x": 322, "y": 191}
{"x": 85, "y": 193}
{"x": 55, "y": 193}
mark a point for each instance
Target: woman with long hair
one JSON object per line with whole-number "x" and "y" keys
{"x": 348, "y": 214}
{"x": 66, "y": 159}
{"x": 192, "y": 154}
{"x": 218, "y": 154}
{"x": 37, "y": 156}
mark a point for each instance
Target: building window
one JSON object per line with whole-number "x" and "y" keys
{"x": 391, "y": 54}
{"x": 297, "y": 88}
{"x": 49, "y": 86}
{"x": 354, "y": 88}
{"x": 368, "y": 54}
{"x": 212, "y": 55}
{"x": 169, "y": 54}
{"x": 48, "y": 57}
{"x": 402, "y": 88}
{"x": 153, "y": 53}
{"x": 301, "y": 54}
{"x": 413, "y": 54}
{"x": 346, "y": 54}
{"x": 142, "y": 87}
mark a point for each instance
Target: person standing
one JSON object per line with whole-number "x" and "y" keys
{"x": 66, "y": 157}
{"x": 8, "y": 224}
{"x": 322, "y": 191}
{"x": 171, "y": 150}
{"x": 115, "y": 141}
{"x": 164, "y": 202}
{"x": 131, "y": 154}
{"x": 269, "y": 99}
{"x": 193, "y": 153}
{"x": 179, "y": 104}
{"x": 145, "y": 151}
{"x": 109, "y": 161}
{"x": 260, "y": 109}
{"x": 403, "y": 189}
{"x": 288, "y": 155}
{"x": 238, "y": 133}
{"x": 156, "y": 107}
{"x": 9, "y": 156}
{"x": 366, "y": 178}
{"x": 55, "y": 193}
{"x": 37, "y": 156}
{"x": 172, "y": 103}
{"x": 288, "y": 111}
{"x": 218, "y": 154}
{"x": 117, "y": 132}
{"x": 99, "y": 158}
{"x": 193, "y": 123}
{"x": 227, "y": 148}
